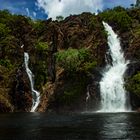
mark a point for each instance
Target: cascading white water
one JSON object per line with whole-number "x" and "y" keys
{"x": 113, "y": 94}
{"x": 35, "y": 94}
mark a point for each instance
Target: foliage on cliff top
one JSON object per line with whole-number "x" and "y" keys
{"x": 118, "y": 17}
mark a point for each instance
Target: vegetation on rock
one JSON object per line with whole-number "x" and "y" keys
{"x": 134, "y": 84}
{"x": 66, "y": 55}
{"x": 73, "y": 59}
{"x": 117, "y": 17}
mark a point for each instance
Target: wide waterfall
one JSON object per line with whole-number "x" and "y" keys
{"x": 113, "y": 94}
{"x": 35, "y": 94}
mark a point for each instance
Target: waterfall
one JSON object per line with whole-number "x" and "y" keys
{"x": 35, "y": 94}
{"x": 113, "y": 94}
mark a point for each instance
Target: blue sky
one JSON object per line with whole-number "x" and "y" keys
{"x": 30, "y": 8}
{"x": 112, "y": 3}
{"x": 24, "y": 7}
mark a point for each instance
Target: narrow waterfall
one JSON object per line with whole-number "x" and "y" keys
{"x": 35, "y": 94}
{"x": 113, "y": 94}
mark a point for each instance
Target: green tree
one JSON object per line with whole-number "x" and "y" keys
{"x": 74, "y": 59}
{"x": 59, "y": 18}
{"x": 118, "y": 17}
{"x": 137, "y": 3}
{"x": 41, "y": 46}
{"x": 4, "y": 31}
{"x": 133, "y": 84}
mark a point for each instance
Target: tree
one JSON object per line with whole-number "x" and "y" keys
{"x": 133, "y": 84}
{"x": 59, "y": 18}
{"x": 117, "y": 17}
{"x": 138, "y": 3}
{"x": 4, "y": 31}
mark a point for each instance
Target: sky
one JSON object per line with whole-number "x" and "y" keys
{"x": 43, "y": 9}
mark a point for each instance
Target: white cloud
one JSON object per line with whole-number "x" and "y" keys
{"x": 27, "y": 11}
{"x": 30, "y": 14}
{"x": 55, "y": 8}
{"x": 34, "y": 14}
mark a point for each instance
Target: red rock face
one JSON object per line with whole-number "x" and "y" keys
{"x": 60, "y": 89}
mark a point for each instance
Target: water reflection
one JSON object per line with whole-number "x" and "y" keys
{"x": 97, "y": 126}
{"x": 115, "y": 127}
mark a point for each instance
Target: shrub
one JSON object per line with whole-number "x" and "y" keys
{"x": 6, "y": 63}
{"x": 133, "y": 84}
{"x": 72, "y": 59}
{"x": 94, "y": 24}
{"x": 41, "y": 46}
{"x": 117, "y": 16}
{"x": 38, "y": 25}
{"x": 4, "y": 31}
{"x": 88, "y": 66}
{"x": 41, "y": 73}
{"x": 59, "y": 18}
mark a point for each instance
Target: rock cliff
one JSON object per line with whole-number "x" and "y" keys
{"x": 66, "y": 58}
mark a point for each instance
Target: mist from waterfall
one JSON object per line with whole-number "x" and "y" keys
{"x": 113, "y": 94}
{"x": 35, "y": 94}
